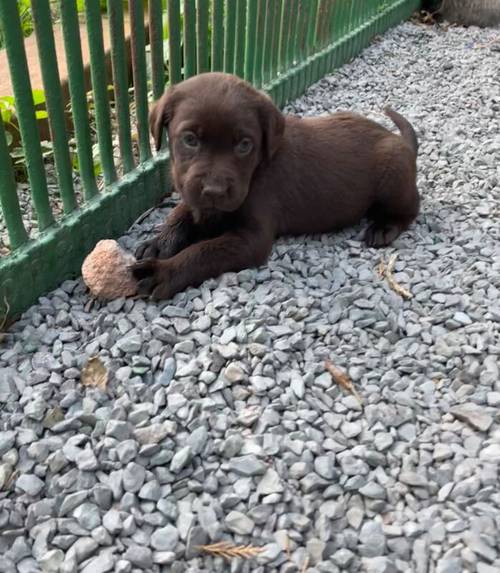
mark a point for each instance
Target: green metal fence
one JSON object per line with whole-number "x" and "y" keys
{"x": 281, "y": 46}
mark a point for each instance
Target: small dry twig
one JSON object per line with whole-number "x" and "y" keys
{"x": 342, "y": 380}
{"x": 228, "y": 551}
{"x": 386, "y": 272}
{"x": 306, "y": 565}
{"x": 487, "y": 44}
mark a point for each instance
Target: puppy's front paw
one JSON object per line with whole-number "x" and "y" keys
{"x": 149, "y": 249}
{"x": 153, "y": 278}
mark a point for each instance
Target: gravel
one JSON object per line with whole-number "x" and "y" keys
{"x": 219, "y": 421}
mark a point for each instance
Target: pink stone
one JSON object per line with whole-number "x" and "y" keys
{"x": 106, "y": 272}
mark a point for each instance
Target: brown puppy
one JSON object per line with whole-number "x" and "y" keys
{"x": 247, "y": 174}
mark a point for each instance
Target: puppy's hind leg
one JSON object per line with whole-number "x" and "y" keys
{"x": 396, "y": 205}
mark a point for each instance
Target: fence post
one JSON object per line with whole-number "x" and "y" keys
{"x": 25, "y": 111}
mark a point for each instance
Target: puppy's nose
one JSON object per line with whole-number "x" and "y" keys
{"x": 215, "y": 191}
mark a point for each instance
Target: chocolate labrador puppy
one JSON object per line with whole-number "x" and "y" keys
{"x": 248, "y": 174}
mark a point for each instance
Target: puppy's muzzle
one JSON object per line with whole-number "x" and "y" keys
{"x": 215, "y": 192}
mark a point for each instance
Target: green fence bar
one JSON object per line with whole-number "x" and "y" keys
{"x": 21, "y": 84}
{"x": 267, "y": 40}
{"x": 217, "y": 56}
{"x": 155, "y": 15}
{"x": 174, "y": 41}
{"x": 8, "y": 196}
{"x": 42, "y": 18}
{"x": 202, "y": 47}
{"x": 275, "y": 47}
{"x": 260, "y": 36}
{"x": 305, "y": 10}
{"x": 230, "y": 36}
{"x": 241, "y": 14}
{"x": 189, "y": 38}
{"x": 76, "y": 81}
{"x": 251, "y": 29}
{"x": 294, "y": 28}
{"x": 284, "y": 35}
{"x": 313, "y": 7}
{"x": 120, "y": 82}
{"x": 138, "y": 44}
{"x": 100, "y": 89}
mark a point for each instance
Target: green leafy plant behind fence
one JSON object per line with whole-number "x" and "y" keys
{"x": 281, "y": 46}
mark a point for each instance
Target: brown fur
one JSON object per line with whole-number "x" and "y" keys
{"x": 296, "y": 176}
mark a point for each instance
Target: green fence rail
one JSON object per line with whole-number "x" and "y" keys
{"x": 101, "y": 160}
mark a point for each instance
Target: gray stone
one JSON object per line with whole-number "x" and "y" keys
{"x": 150, "y": 491}
{"x": 324, "y": 467}
{"x": 449, "y": 565}
{"x": 270, "y": 483}
{"x": 51, "y": 561}
{"x": 133, "y": 477}
{"x": 473, "y": 415}
{"x": 372, "y": 538}
{"x": 165, "y": 538}
{"x": 102, "y": 563}
{"x": 82, "y": 549}
{"x": 30, "y": 484}
{"x": 198, "y": 439}
{"x": 247, "y": 466}
{"x": 239, "y": 523}
{"x": 181, "y": 459}
{"x": 169, "y": 369}
{"x": 139, "y": 556}
{"x": 479, "y": 546}
{"x": 112, "y": 521}
{"x": 88, "y": 516}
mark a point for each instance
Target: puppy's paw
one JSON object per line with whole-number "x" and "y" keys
{"x": 148, "y": 249}
{"x": 381, "y": 235}
{"x": 153, "y": 278}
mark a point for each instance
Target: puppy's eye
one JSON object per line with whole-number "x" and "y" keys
{"x": 244, "y": 147}
{"x": 189, "y": 139}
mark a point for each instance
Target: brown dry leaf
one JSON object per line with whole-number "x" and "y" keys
{"x": 95, "y": 374}
{"x": 342, "y": 380}
{"x": 228, "y": 551}
{"x": 386, "y": 272}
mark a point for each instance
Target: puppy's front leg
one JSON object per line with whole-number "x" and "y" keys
{"x": 175, "y": 234}
{"x": 230, "y": 252}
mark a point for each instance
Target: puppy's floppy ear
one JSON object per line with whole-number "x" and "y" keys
{"x": 273, "y": 125}
{"x": 160, "y": 115}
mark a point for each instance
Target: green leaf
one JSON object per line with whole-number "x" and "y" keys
{"x": 9, "y": 138}
{"x": 97, "y": 169}
{"x": 38, "y": 97}
{"x": 41, "y": 114}
{"x": 8, "y": 101}
{"x": 6, "y": 115}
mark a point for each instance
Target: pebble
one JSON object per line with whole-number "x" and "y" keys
{"x": 30, "y": 484}
{"x": 239, "y": 523}
{"x": 165, "y": 538}
{"x": 247, "y": 466}
{"x": 181, "y": 459}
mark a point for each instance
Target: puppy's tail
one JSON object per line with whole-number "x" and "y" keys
{"x": 405, "y": 127}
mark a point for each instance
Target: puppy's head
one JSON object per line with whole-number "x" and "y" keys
{"x": 220, "y": 129}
